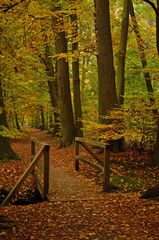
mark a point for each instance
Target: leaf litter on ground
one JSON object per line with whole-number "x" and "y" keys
{"x": 120, "y": 214}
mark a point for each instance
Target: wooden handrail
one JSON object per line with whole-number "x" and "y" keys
{"x": 92, "y": 143}
{"x": 95, "y": 165}
{"x": 103, "y": 166}
{"x": 35, "y": 140}
{"x": 24, "y": 176}
{"x": 44, "y": 189}
{"x": 35, "y": 158}
{"x": 92, "y": 153}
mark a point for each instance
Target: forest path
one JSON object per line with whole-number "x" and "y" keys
{"x": 65, "y": 183}
{"x": 115, "y": 215}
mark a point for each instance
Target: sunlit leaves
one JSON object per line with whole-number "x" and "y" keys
{"x": 134, "y": 121}
{"x": 10, "y": 133}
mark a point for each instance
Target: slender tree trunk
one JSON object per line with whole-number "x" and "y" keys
{"x": 6, "y": 152}
{"x": 141, "y": 51}
{"x": 17, "y": 122}
{"x": 122, "y": 53}
{"x": 154, "y": 191}
{"x": 76, "y": 80}
{"x": 155, "y": 157}
{"x": 67, "y": 122}
{"x": 83, "y": 77}
{"x": 157, "y": 26}
{"x": 15, "y": 113}
{"x": 42, "y": 118}
{"x": 107, "y": 97}
{"x": 66, "y": 111}
{"x": 53, "y": 89}
{"x": 156, "y": 9}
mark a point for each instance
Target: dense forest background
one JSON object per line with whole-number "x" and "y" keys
{"x": 80, "y": 68}
{"x": 86, "y": 69}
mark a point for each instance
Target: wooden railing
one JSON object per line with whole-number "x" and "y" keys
{"x": 99, "y": 164}
{"x": 41, "y": 169}
{"x": 42, "y": 155}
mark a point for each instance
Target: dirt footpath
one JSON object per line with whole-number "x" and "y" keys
{"x": 66, "y": 184}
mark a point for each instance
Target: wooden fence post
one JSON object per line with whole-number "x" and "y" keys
{"x": 32, "y": 149}
{"x": 76, "y": 153}
{"x": 106, "y": 173}
{"x": 46, "y": 170}
{"x": 24, "y": 176}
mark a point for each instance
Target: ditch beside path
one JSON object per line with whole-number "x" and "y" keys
{"x": 65, "y": 183}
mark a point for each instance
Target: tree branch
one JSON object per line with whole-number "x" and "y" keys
{"x": 152, "y": 5}
{"x": 6, "y": 7}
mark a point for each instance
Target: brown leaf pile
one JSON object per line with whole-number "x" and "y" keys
{"x": 117, "y": 215}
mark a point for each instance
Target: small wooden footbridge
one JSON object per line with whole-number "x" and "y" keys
{"x": 50, "y": 181}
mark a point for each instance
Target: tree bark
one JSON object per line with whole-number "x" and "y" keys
{"x": 66, "y": 111}
{"x": 6, "y": 151}
{"x": 16, "y": 117}
{"x": 42, "y": 125}
{"x": 152, "y": 192}
{"x": 76, "y": 80}
{"x": 107, "y": 97}
{"x": 53, "y": 89}
{"x": 122, "y": 53}
{"x": 155, "y": 157}
{"x": 141, "y": 51}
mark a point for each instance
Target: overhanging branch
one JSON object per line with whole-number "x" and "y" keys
{"x": 152, "y": 5}
{"x": 6, "y": 7}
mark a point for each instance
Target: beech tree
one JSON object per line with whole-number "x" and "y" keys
{"x": 53, "y": 88}
{"x": 107, "y": 97}
{"x": 141, "y": 48}
{"x": 122, "y": 53}
{"x": 76, "y": 78}
{"x": 156, "y": 147}
{"x": 65, "y": 103}
{"x": 6, "y": 151}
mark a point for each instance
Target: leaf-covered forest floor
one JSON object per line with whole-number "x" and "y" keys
{"x": 75, "y": 212}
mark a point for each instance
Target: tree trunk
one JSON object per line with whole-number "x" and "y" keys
{"x": 157, "y": 27}
{"x": 17, "y": 125}
{"x": 155, "y": 157}
{"x": 151, "y": 192}
{"x": 76, "y": 80}
{"x": 66, "y": 111}
{"x": 107, "y": 98}
{"x": 141, "y": 52}
{"x": 6, "y": 152}
{"x": 42, "y": 125}
{"x": 122, "y": 53}
{"x": 17, "y": 121}
{"x": 53, "y": 89}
